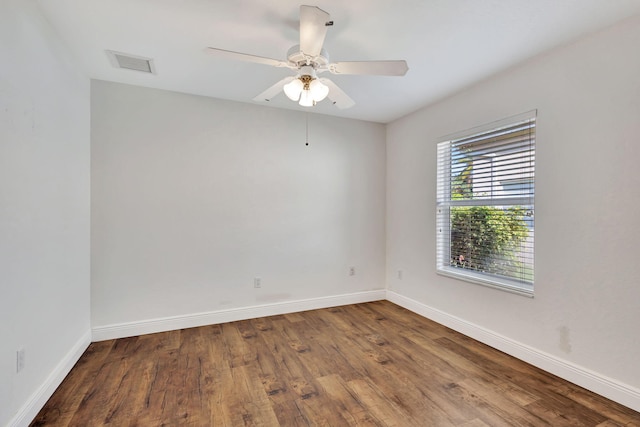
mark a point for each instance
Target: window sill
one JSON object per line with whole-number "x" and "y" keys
{"x": 484, "y": 280}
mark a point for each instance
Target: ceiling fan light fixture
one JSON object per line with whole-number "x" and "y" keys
{"x": 306, "y": 99}
{"x": 293, "y": 89}
{"x": 318, "y": 90}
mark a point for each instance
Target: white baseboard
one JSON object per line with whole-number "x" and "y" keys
{"x": 37, "y": 400}
{"x": 600, "y": 384}
{"x": 129, "y": 329}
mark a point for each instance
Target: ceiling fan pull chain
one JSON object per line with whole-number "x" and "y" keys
{"x": 307, "y": 126}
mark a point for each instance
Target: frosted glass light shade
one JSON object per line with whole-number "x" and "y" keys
{"x": 293, "y": 89}
{"x": 306, "y": 100}
{"x": 318, "y": 90}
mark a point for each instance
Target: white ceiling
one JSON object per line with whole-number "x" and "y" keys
{"x": 448, "y": 44}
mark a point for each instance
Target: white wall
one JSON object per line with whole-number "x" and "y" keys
{"x": 44, "y": 211}
{"x": 586, "y": 309}
{"x": 193, "y": 197}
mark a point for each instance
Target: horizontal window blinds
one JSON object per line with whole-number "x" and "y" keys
{"x": 485, "y": 202}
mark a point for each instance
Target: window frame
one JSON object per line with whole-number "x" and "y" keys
{"x": 445, "y": 201}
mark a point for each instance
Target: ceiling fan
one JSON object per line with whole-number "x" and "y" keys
{"x": 309, "y": 59}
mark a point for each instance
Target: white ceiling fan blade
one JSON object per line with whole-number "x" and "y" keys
{"x": 371, "y": 68}
{"x": 274, "y": 90}
{"x": 337, "y": 96}
{"x": 313, "y": 29}
{"x": 229, "y": 54}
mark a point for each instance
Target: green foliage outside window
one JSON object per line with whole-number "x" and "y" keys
{"x": 484, "y": 238}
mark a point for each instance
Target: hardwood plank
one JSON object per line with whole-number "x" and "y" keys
{"x": 546, "y": 386}
{"x": 460, "y": 368}
{"x": 371, "y": 364}
{"x": 389, "y": 413}
{"x": 616, "y": 414}
{"x": 103, "y": 395}
{"x": 64, "y": 403}
{"x": 349, "y": 405}
{"x": 474, "y": 423}
{"x": 610, "y": 423}
{"x": 249, "y": 403}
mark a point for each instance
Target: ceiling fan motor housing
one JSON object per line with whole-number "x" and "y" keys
{"x": 297, "y": 58}
{"x": 307, "y": 70}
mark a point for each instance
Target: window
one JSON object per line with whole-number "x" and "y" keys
{"x": 485, "y": 204}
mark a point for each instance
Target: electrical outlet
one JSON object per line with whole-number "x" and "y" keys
{"x": 257, "y": 282}
{"x": 399, "y": 274}
{"x": 352, "y": 271}
{"x": 20, "y": 359}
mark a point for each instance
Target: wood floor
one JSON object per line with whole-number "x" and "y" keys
{"x": 372, "y": 364}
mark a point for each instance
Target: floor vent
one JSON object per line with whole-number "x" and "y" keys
{"x": 131, "y": 62}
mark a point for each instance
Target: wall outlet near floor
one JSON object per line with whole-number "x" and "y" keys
{"x": 352, "y": 271}
{"x": 20, "y": 359}
{"x": 257, "y": 282}
{"x": 399, "y": 274}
